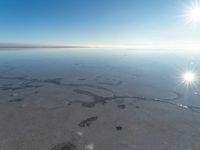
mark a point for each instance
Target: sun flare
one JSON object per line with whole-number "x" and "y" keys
{"x": 192, "y": 13}
{"x": 189, "y": 77}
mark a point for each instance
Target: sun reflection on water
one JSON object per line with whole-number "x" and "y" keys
{"x": 189, "y": 77}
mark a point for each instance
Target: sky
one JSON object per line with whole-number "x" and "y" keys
{"x": 96, "y": 22}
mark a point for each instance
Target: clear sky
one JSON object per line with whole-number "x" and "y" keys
{"x": 83, "y": 22}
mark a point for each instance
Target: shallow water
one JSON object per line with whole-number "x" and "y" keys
{"x": 47, "y": 94}
{"x": 148, "y": 74}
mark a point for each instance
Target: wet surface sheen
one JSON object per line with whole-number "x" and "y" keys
{"x": 63, "y": 98}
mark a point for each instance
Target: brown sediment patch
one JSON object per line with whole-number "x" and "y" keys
{"x": 88, "y": 121}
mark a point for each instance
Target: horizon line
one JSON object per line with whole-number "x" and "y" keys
{"x": 114, "y": 46}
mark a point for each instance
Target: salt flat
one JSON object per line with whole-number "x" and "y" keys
{"x": 97, "y": 99}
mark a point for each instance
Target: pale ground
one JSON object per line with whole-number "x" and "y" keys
{"x": 89, "y": 106}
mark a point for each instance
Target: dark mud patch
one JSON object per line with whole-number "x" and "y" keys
{"x": 119, "y": 128}
{"x": 35, "y": 92}
{"x": 20, "y": 87}
{"x": 65, "y": 146}
{"x": 194, "y": 108}
{"x": 122, "y": 106}
{"x": 81, "y": 79}
{"x": 6, "y": 85}
{"x": 13, "y": 78}
{"x": 13, "y": 94}
{"x": 88, "y": 85}
{"x": 33, "y": 83}
{"x": 137, "y": 107}
{"x": 23, "y": 85}
{"x": 110, "y": 83}
{"x": 97, "y": 99}
{"x": 87, "y": 122}
{"x": 56, "y": 81}
{"x": 15, "y": 100}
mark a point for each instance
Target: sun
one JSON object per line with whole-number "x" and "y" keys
{"x": 189, "y": 77}
{"x": 192, "y": 13}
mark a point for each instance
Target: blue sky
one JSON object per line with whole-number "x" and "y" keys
{"x": 82, "y": 22}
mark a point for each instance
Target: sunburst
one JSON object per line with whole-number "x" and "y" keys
{"x": 192, "y": 13}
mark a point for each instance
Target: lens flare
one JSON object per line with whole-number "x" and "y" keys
{"x": 192, "y": 13}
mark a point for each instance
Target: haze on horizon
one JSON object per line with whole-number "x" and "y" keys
{"x": 98, "y": 23}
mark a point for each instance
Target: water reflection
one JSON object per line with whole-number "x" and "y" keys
{"x": 149, "y": 75}
{"x": 189, "y": 77}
